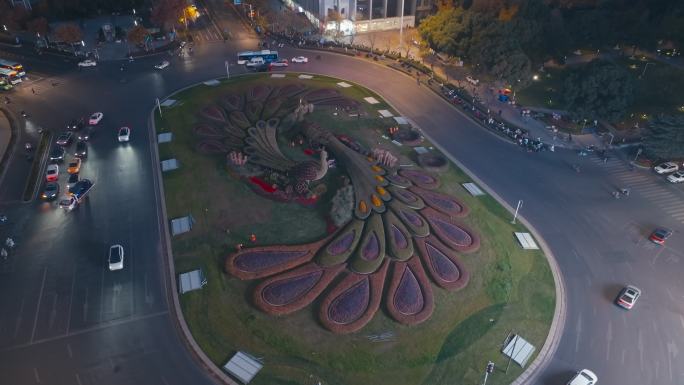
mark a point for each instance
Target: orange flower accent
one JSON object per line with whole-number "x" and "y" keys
{"x": 379, "y": 178}
{"x": 376, "y": 201}
{"x": 363, "y": 207}
{"x": 381, "y": 190}
{"x": 376, "y": 168}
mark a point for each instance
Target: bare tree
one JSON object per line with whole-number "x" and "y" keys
{"x": 409, "y": 36}
{"x": 372, "y": 38}
{"x": 69, "y": 33}
{"x": 336, "y": 17}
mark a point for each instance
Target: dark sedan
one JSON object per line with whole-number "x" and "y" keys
{"x": 51, "y": 191}
{"x": 57, "y": 154}
{"x": 76, "y": 124}
{"x": 81, "y": 150}
{"x": 64, "y": 139}
{"x": 86, "y": 134}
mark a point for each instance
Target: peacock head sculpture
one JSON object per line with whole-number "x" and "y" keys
{"x": 403, "y": 235}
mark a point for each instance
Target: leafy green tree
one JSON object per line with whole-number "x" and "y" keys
{"x": 666, "y": 140}
{"x": 599, "y": 90}
{"x": 447, "y": 31}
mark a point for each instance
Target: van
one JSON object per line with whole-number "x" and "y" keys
{"x": 255, "y": 62}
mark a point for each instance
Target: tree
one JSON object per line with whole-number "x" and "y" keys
{"x": 38, "y": 25}
{"x": 69, "y": 33}
{"x": 598, "y": 90}
{"x": 372, "y": 37}
{"x": 166, "y": 13}
{"x": 410, "y": 34}
{"x": 666, "y": 140}
{"x": 336, "y": 17}
{"x": 137, "y": 35}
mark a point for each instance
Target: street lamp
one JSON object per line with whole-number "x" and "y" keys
{"x": 401, "y": 28}
{"x": 644, "y": 71}
{"x": 82, "y": 43}
{"x": 535, "y": 77}
{"x": 4, "y": 27}
{"x": 134, "y": 11}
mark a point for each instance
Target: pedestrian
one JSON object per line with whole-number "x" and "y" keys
{"x": 553, "y": 148}
{"x": 569, "y": 137}
{"x": 33, "y": 91}
{"x": 605, "y": 159}
{"x": 418, "y": 78}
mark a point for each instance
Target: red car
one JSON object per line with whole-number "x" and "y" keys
{"x": 660, "y": 235}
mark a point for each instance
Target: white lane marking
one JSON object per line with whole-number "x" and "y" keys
{"x": 40, "y": 298}
{"x": 78, "y": 379}
{"x": 71, "y": 299}
{"x": 578, "y": 332}
{"x": 609, "y": 338}
{"x": 35, "y": 374}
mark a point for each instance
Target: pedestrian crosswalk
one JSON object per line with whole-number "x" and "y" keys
{"x": 206, "y": 35}
{"x": 648, "y": 185}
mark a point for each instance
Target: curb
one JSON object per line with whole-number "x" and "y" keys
{"x": 540, "y": 362}
{"x": 170, "y": 275}
{"x": 43, "y": 161}
{"x": 9, "y": 151}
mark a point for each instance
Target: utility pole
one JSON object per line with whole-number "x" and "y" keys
{"x": 227, "y": 70}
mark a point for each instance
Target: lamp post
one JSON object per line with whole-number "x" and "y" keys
{"x": 515, "y": 216}
{"x": 227, "y": 70}
{"x": 401, "y": 27}
{"x": 644, "y": 71}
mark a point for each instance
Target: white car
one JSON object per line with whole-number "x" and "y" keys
{"x": 124, "y": 134}
{"x": 584, "y": 377}
{"x": 87, "y": 63}
{"x": 52, "y": 172}
{"x": 666, "y": 168}
{"x": 300, "y": 59}
{"x": 279, "y": 63}
{"x": 95, "y": 118}
{"x": 677, "y": 177}
{"x": 116, "y": 257}
{"x": 162, "y": 65}
{"x": 628, "y": 297}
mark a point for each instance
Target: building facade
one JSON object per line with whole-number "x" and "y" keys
{"x": 359, "y": 16}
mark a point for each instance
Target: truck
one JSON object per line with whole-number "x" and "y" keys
{"x": 77, "y": 194}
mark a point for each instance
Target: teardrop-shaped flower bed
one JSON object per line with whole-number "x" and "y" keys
{"x": 353, "y": 302}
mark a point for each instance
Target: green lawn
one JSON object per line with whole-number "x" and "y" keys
{"x": 509, "y": 288}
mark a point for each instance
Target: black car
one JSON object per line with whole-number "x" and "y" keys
{"x": 86, "y": 134}
{"x": 76, "y": 124}
{"x": 64, "y": 139}
{"x": 81, "y": 188}
{"x": 51, "y": 191}
{"x": 81, "y": 150}
{"x": 57, "y": 154}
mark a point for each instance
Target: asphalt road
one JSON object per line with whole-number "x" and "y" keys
{"x": 66, "y": 319}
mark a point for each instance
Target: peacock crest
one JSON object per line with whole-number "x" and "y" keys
{"x": 402, "y": 234}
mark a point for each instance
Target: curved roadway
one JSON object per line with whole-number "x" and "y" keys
{"x": 67, "y": 320}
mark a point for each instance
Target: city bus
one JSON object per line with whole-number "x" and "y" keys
{"x": 14, "y": 66}
{"x": 9, "y": 76}
{"x": 268, "y": 56}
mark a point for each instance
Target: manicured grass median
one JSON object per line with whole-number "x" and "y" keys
{"x": 509, "y": 289}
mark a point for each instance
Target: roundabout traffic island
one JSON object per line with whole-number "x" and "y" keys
{"x": 342, "y": 259}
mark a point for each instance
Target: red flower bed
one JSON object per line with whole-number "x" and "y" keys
{"x": 261, "y": 183}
